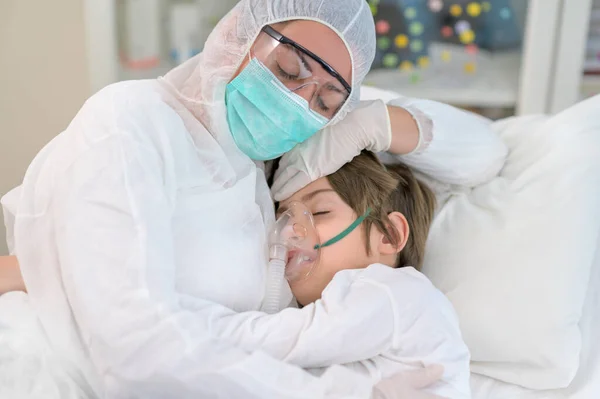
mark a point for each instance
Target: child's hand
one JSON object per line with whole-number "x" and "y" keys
{"x": 408, "y": 385}
{"x": 10, "y": 275}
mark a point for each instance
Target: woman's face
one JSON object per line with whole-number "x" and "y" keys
{"x": 320, "y": 40}
{"x": 331, "y": 216}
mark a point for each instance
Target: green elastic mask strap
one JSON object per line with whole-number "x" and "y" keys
{"x": 344, "y": 233}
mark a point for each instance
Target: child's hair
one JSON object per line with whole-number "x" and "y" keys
{"x": 366, "y": 183}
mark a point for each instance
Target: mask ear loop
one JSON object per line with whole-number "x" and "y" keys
{"x": 344, "y": 233}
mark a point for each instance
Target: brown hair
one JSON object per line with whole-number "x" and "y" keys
{"x": 366, "y": 183}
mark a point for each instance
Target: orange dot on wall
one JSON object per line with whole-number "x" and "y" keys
{"x": 471, "y": 49}
{"x": 447, "y": 31}
{"x": 455, "y": 10}
{"x": 467, "y": 36}
{"x": 401, "y": 41}
{"x": 470, "y": 67}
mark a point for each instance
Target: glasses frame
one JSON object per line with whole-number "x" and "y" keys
{"x": 285, "y": 40}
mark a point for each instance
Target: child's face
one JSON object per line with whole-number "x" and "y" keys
{"x": 331, "y": 216}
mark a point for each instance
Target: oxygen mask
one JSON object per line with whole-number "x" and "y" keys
{"x": 294, "y": 240}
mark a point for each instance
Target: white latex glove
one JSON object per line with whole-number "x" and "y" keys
{"x": 365, "y": 128}
{"x": 408, "y": 385}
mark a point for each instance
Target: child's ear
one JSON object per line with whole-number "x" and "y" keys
{"x": 398, "y": 227}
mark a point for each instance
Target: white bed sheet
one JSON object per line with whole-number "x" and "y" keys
{"x": 29, "y": 367}
{"x": 585, "y": 386}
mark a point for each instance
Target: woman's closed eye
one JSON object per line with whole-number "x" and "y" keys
{"x": 321, "y": 213}
{"x": 291, "y": 65}
{"x": 285, "y": 74}
{"x": 322, "y": 106}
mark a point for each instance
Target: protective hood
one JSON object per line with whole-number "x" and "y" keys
{"x": 200, "y": 82}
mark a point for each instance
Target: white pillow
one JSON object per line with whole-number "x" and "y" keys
{"x": 514, "y": 255}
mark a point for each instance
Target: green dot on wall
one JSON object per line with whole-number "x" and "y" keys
{"x": 373, "y": 9}
{"x": 390, "y": 60}
{"x": 416, "y": 46}
{"x": 410, "y": 13}
{"x": 384, "y": 43}
{"x": 416, "y": 28}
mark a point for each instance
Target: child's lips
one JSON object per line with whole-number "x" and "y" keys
{"x": 297, "y": 257}
{"x": 291, "y": 255}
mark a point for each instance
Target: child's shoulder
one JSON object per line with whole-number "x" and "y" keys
{"x": 406, "y": 285}
{"x": 407, "y": 277}
{"x": 418, "y": 304}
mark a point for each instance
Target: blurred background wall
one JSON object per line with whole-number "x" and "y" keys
{"x": 43, "y": 80}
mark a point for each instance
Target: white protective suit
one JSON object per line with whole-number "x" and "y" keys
{"x": 142, "y": 223}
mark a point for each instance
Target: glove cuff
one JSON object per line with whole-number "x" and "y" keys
{"x": 425, "y": 126}
{"x": 382, "y": 137}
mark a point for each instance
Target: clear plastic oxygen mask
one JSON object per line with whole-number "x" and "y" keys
{"x": 294, "y": 250}
{"x": 295, "y": 242}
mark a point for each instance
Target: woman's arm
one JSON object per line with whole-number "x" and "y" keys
{"x": 146, "y": 338}
{"x": 451, "y": 145}
{"x": 448, "y": 144}
{"x": 10, "y": 275}
{"x": 314, "y": 336}
{"x": 339, "y": 328}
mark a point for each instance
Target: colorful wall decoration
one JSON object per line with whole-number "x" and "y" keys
{"x": 406, "y": 28}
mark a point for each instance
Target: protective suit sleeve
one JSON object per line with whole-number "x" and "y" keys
{"x": 113, "y": 238}
{"x": 339, "y": 328}
{"x": 455, "y": 146}
{"x": 427, "y": 332}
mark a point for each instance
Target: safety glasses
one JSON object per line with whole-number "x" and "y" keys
{"x": 303, "y": 72}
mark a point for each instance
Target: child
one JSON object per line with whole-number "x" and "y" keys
{"x": 384, "y": 254}
{"x": 364, "y": 305}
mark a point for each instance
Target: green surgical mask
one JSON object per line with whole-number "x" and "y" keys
{"x": 266, "y": 119}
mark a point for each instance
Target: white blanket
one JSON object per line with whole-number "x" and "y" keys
{"x": 29, "y": 368}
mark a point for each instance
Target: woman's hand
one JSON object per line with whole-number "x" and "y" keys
{"x": 365, "y": 128}
{"x": 10, "y": 275}
{"x": 408, "y": 385}
{"x": 373, "y": 126}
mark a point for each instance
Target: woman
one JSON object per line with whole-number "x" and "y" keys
{"x": 147, "y": 216}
